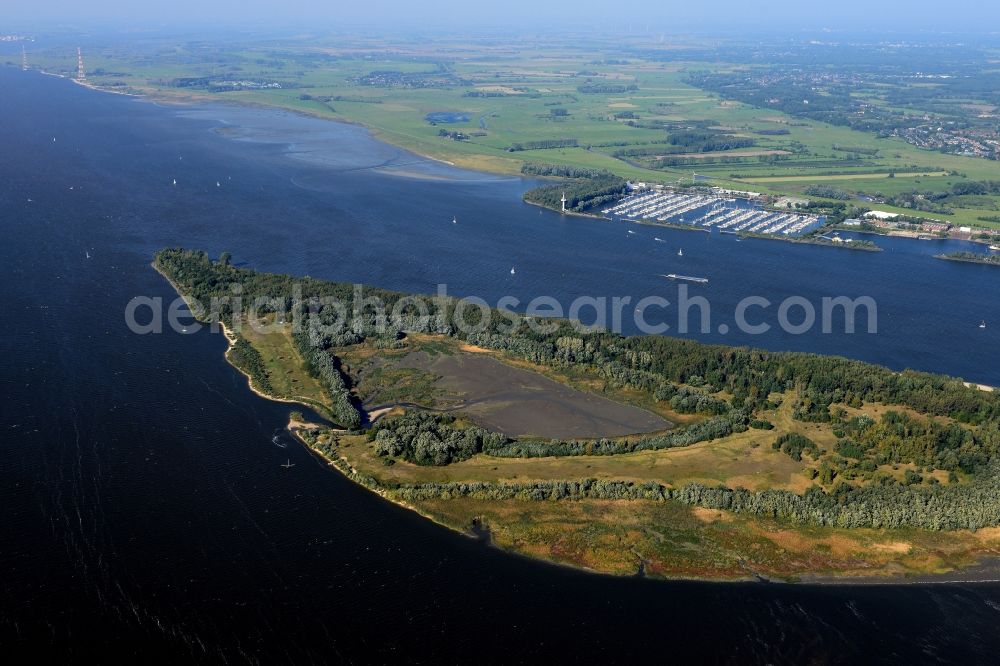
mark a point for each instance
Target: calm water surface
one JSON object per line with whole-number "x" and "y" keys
{"x": 144, "y": 509}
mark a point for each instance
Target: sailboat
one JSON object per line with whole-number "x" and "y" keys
{"x": 454, "y": 220}
{"x": 88, "y": 253}
{"x": 983, "y": 324}
{"x": 288, "y": 464}
{"x": 175, "y": 181}
{"x": 512, "y": 271}
{"x": 680, "y": 253}
{"x": 218, "y": 184}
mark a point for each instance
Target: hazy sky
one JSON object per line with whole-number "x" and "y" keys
{"x": 640, "y": 15}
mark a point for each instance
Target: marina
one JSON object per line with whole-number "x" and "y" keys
{"x": 707, "y": 212}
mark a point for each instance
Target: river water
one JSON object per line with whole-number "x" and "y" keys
{"x": 145, "y": 512}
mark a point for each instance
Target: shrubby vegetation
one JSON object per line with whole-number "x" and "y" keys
{"x": 793, "y": 444}
{"x": 901, "y": 438}
{"x": 686, "y": 400}
{"x": 542, "y": 145}
{"x": 827, "y": 192}
{"x": 700, "y": 432}
{"x": 606, "y": 88}
{"x": 560, "y": 171}
{"x": 892, "y": 505}
{"x": 431, "y": 439}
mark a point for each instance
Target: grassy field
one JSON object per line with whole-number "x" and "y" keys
{"x": 535, "y": 95}
{"x": 843, "y": 176}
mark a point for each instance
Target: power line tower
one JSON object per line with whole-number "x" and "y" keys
{"x": 81, "y": 75}
{"x": 24, "y": 60}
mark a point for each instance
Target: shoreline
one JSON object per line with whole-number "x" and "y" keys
{"x": 191, "y": 99}
{"x": 230, "y": 337}
{"x": 988, "y": 566}
{"x": 380, "y": 135}
{"x": 968, "y": 260}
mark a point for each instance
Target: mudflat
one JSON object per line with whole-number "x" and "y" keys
{"x": 522, "y": 403}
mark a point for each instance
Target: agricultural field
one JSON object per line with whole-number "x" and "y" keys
{"x": 627, "y": 107}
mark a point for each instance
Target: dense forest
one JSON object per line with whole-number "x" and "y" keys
{"x": 582, "y": 194}
{"x": 244, "y": 357}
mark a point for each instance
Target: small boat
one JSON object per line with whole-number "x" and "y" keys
{"x": 659, "y": 240}
{"x": 995, "y": 248}
{"x": 218, "y": 184}
{"x": 288, "y": 464}
{"x": 512, "y": 271}
{"x": 454, "y": 220}
{"x": 680, "y": 253}
{"x": 87, "y": 253}
{"x": 983, "y": 324}
{"x": 175, "y": 181}
{"x": 630, "y": 231}
{"x": 686, "y": 278}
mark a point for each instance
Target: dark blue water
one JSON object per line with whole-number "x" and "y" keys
{"x": 144, "y": 510}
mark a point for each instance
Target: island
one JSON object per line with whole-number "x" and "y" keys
{"x": 621, "y": 455}
{"x": 971, "y": 258}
